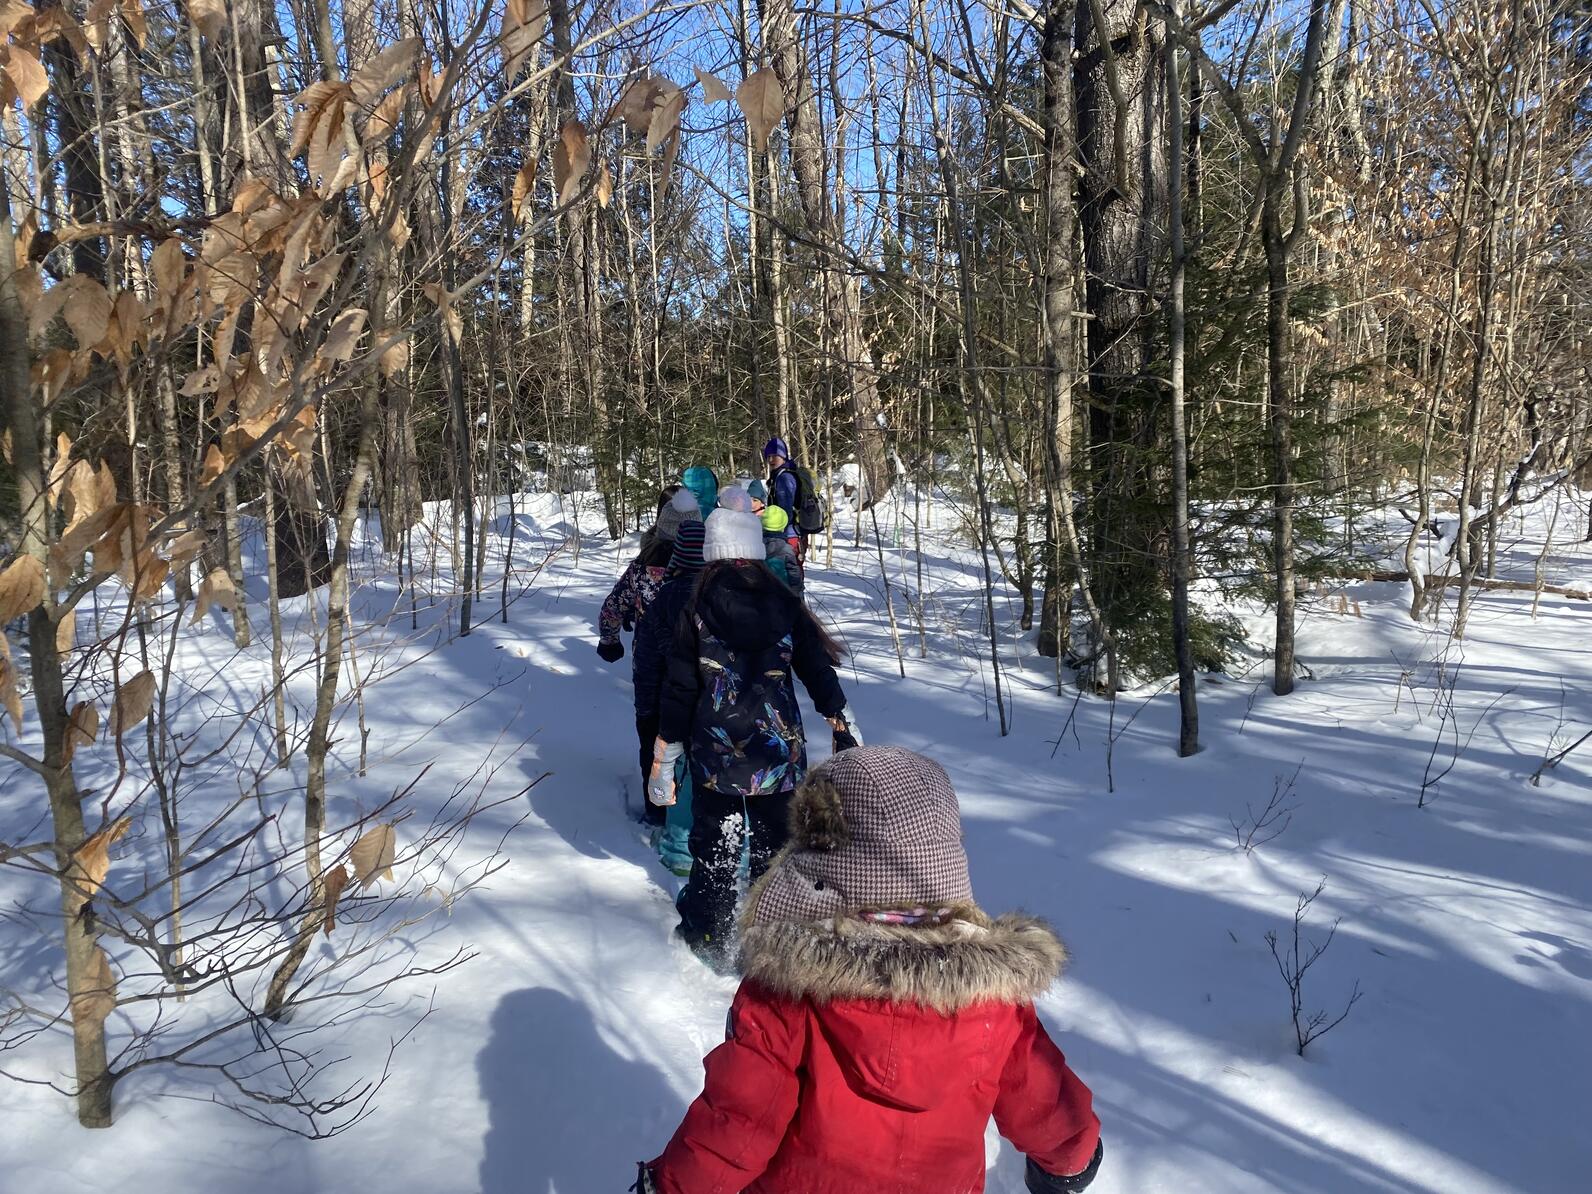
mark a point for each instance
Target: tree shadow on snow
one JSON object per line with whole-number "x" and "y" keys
{"x": 567, "y": 1113}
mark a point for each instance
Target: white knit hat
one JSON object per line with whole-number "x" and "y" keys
{"x": 733, "y": 535}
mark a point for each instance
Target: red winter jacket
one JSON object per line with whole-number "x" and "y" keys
{"x": 827, "y": 1085}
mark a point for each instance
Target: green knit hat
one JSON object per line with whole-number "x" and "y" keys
{"x": 775, "y": 520}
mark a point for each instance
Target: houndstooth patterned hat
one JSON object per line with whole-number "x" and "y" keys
{"x": 875, "y": 827}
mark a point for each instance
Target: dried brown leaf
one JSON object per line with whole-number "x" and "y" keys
{"x": 637, "y": 104}
{"x": 604, "y": 187}
{"x": 524, "y": 22}
{"x": 52, "y": 373}
{"x": 342, "y": 338}
{"x": 379, "y": 124}
{"x": 21, "y": 587}
{"x": 97, "y": 23}
{"x": 317, "y": 101}
{"x": 46, "y": 309}
{"x": 91, "y": 861}
{"x": 665, "y": 118}
{"x": 373, "y": 854}
{"x": 10, "y": 698}
{"x": 168, "y": 264}
{"x": 27, "y": 76}
{"x": 216, "y": 589}
{"x": 186, "y": 546}
{"x": 763, "y": 103}
{"x": 66, "y": 631}
{"x": 215, "y": 464}
{"x": 133, "y": 14}
{"x": 384, "y": 69}
{"x": 571, "y": 161}
{"x": 82, "y": 727}
{"x": 334, "y": 880}
{"x": 713, "y": 90}
{"x": 134, "y": 699}
{"x": 209, "y": 15}
{"x": 524, "y": 184}
{"x": 95, "y": 999}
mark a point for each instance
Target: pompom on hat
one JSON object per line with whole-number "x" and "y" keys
{"x": 874, "y": 827}
{"x": 680, "y": 507}
{"x": 736, "y": 498}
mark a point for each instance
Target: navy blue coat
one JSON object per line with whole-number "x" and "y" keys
{"x": 654, "y": 639}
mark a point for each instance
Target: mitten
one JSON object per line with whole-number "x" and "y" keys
{"x": 1040, "y": 1182}
{"x": 845, "y": 727}
{"x": 644, "y": 1182}
{"x": 660, "y": 783}
{"x": 611, "y": 652}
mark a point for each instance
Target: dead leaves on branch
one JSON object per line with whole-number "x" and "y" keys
{"x": 713, "y": 88}
{"x": 82, "y": 727}
{"x": 524, "y": 22}
{"x": 91, "y": 862}
{"x": 216, "y": 589}
{"x": 762, "y": 102}
{"x": 374, "y": 853}
{"x": 95, "y": 998}
{"x": 571, "y": 161}
{"x": 134, "y": 700}
{"x": 21, "y": 587}
{"x": 334, "y": 881}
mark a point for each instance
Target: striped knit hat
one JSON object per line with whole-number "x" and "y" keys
{"x": 688, "y": 539}
{"x": 874, "y": 827}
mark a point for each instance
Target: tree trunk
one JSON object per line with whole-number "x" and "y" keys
{"x": 1123, "y": 195}
{"x": 842, "y": 294}
{"x": 30, "y": 470}
{"x": 1188, "y": 741}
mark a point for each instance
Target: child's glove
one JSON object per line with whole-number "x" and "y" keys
{"x": 847, "y": 734}
{"x": 611, "y": 652}
{"x": 644, "y": 1180}
{"x": 1040, "y": 1182}
{"x": 660, "y": 783}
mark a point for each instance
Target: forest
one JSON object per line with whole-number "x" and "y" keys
{"x": 335, "y": 334}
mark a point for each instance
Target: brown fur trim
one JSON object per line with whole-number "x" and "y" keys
{"x": 816, "y": 821}
{"x": 1012, "y": 959}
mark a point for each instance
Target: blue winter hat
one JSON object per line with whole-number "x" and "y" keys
{"x": 688, "y": 541}
{"x": 776, "y": 447}
{"x": 699, "y": 479}
{"x": 758, "y": 490}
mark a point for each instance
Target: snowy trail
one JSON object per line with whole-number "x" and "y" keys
{"x": 570, "y": 1045}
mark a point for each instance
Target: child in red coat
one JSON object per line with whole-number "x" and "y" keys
{"x": 883, "y": 1018}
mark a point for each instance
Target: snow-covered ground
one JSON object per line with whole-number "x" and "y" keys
{"x": 568, "y": 1048}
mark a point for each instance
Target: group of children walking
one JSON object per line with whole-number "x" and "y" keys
{"x": 882, "y": 1017}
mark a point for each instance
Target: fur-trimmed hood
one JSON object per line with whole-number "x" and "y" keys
{"x": 944, "y": 967}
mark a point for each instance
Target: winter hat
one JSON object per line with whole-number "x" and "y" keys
{"x": 733, "y": 535}
{"x": 758, "y": 490}
{"x": 688, "y": 539}
{"x": 682, "y": 506}
{"x": 874, "y": 827}
{"x": 775, "y": 520}
{"x": 776, "y": 447}
{"x": 736, "y": 498}
{"x": 699, "y": 479}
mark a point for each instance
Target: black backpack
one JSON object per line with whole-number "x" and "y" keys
{"x": 811, "y": 515}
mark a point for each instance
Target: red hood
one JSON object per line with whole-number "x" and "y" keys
{"x": 904, "y": 1056}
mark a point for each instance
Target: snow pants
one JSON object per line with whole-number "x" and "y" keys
{"x": 720, "y": 827}
{"x": 674, "y": 843}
